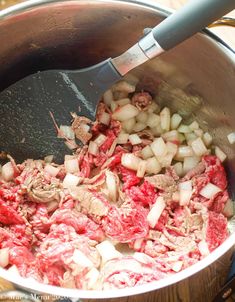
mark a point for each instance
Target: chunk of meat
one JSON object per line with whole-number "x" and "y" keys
{"x": 9, "y": 215}
{"x": 141, "y": 100}
{"x": 80, "y": 126}
{"x": 144, "y": 194}
{"x": 161, "y": 181}
{"x": 199, "y": 169}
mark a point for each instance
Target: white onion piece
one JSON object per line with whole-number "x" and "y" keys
{"x": 7, "y": 171}
{"x": 101, "y": 138}
{"x": 146, "y": 152}
{"x": 157, "y": 131}
{"x": 4, "y": 257}
{"x": 139, "y": 127}
{"x": 181, "y": 137}
{"x": 184, "y": 129}
{"x": 138, "y": 244}
{"x": 123, "y": 102}
{"x": 178, "y": 169}
{"x": 108, "y": 97}
{"x": 135, "y": 139}
{"x": 165, "y": 161}
{"x": 123, "y": 86}
{"x": 231, "y": 137}
{"x": 48, "y": 159}
{"x": 125, "y": 112}
{"x": 198, "y": 132}
{"x": 122, "y": 138}
{"x": 171, "y": 148}
{"x": 207, "y": 139}
{"x": 194, "y": 126}
{"x": 203, "y": 248}
{"x": 130, "y": 161}
{"x": 141, "y": 169}
{"x": 105, "y": 118}
{"x": 153, "y": 166}
{"x": 190, "y": 163}
{"x": 156, "y": 211}
{"x": 190, "y": 137}
{"x": 67, "y": 131}
{"x": 184, "y": 151}
{"x": 199, "y": 147}
{"x": 186, "y": 185}
{"x": 81, "y": 259}
{"x": 175, "y": 121}
{"x": 144, "y": 258}
{"x": 177, "y": 266}
{"x": 172, "y": 136}
{"x": 128, "y": 125}
{"x": 107, "y": 251}
{"x": 220, "y": 154}
{"x": 158, "y": 147}
{"x": 113, "y": 106}
{"x": 165, "y": 117}
{"x": 93, "y": 148}
{"x": 92, "y": 278}
{"x": 71, "y": 181}
{"x": 111, "y": 185}
{"x": 153, "y": 107}
{"x": 153, "y": 120}
{"x": 53, "y": 171}
{"x": 185, "y": 196}
{"x": 209, "y": 191}
{"x": 71, "y": 165}
{"x": 142, "y": 117}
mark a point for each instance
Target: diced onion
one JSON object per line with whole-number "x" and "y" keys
{"x": 111, "y": 185}
{"x": 71, "y": 180}
{"x": 153, "y": 120}
{"x": 143, "y": 258}
{"x": 125, "y": 112}
{"x": 203, "y": 248}
{"x": 7, "y": 171}
{"x": 171, "y": 148}
{"x": 175, "y": 121}
{"x": 123, "y": 102}
{"x": 92, "y": 277}
{"x": 207, "y": 139}
{"x": 153, "y": 107}
{"x": 199, "y": 147}
{"x": 135, "y": 139}
{"x": 81, "y": 259}
{"x": 158, "y": 147}
{"x": 138, "y": 244}
{"x": 190, "y": 163}
{"x": 165, "y": 117}
{"x": 71, "y": 165}
{"x": 107, "y": 251}
{"x": 153, "y": 166}
{"x": 172, "y": 136}
{"x": 53, "y": 171}
{"x": 181, "y": 137}
{"x": 194, "y": 126}
{"x": 129, "y": 124}
{"x": 185, "y": 196}
{"x": 142, "y": 117}
{"x": 141, "y": 169}
{"x": 231, "y": 137}
{"x": 118, "y": 95}
{"x": 165, "y": 161}
{"x": 220, "y": 154}
{"x": 4, "y": 257}
{"x": 130, "y": 161}
{"x": 108, "y": 97}
{"x": 190, "y": 137}
{"x": 209, "y": 191}
{"x": 48, "y": 159}
{"x": 156, "y": 211}
{"x": 113, "y": 106}
{"x": 100, "y": 140}
{"x": 177, "y": 266}
{"x": 184, "y": 151}
{"x": 184, "y": 129}
{"x": 67, "y": 132}
{"x": 157, "y": 131}
{"x": 186, "y": 185}
{"x": 146, "y": 152}
{"x": 178, "y": 169}
{"x": 93, "y": 148}
{"x": 105, "y": 118}
{"x": 123, "y": 86}
{"x": 122, "y": 138}
{"x": 139, "y": 127}
{"x": 198, "y": 132}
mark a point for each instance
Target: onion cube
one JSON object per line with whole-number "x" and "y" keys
{"x": 93, "y": 148}
{"x": 107, "y": 251}
{"x": 199, "y": 147}
{"x": 158, "y": 147}
{"x": 139, "y": 127}
{"x": 134, "y": 139}
{"x": 147, "y": 152}
{"x": 128, "y": 125}
{"x": 122, "y": 138}
{"x": 71, "y": 180}
{"x": 165, "y": 116}
{"x": 125, "y": 112}
{"x": 105, "y": 118}
{"x": 81, "y": 259}
{"x": 231, "y": 137}
{"x": 220, "y": 154}
{"x": 207, "y": 139}
{"x": 7, "y": 171}
{"x": 175, "y": 121}
{"x": 130, "y": 161}
{"x": 153, "y": 120}
{"x": 190, "y": 162}
{"x": 142, "y": 117}
{"x": 209, "y": 191}
{"x": 153, "y": 166}
{"x": 156, "y": 211}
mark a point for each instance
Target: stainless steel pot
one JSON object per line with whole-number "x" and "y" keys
{"x": 38, "y": 35}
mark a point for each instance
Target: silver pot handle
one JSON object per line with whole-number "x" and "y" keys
{"x": 28, "y": 297}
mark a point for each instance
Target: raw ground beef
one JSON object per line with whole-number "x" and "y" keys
{"x": 68, "y": 224}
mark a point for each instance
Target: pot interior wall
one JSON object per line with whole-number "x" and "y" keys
{"x": 74, "y": 34}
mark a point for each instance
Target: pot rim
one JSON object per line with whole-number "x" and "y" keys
{"x": 34, "y": 286}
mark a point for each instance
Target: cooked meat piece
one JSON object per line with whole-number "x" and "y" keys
{"x": 141, "y": 100}
{"x": 80, "y": 126}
